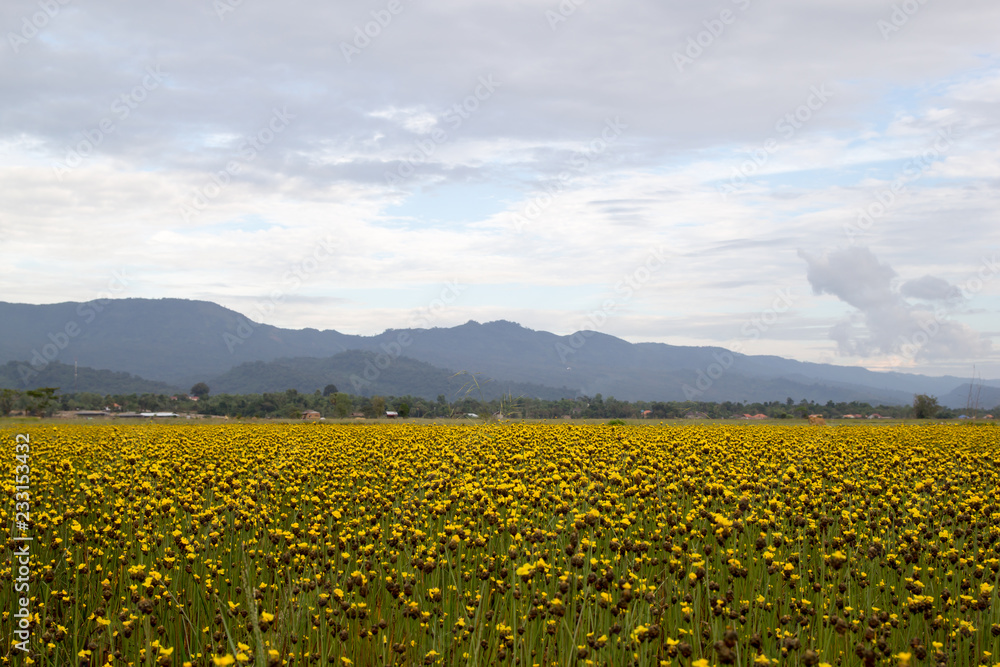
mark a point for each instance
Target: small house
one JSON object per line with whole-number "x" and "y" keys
{"x": 311, "y": 414}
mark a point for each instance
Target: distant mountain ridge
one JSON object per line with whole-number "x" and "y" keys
{"x": 71, "y": 379}
{"x": 179, "y": 342}
{"x": 358, "y": 372}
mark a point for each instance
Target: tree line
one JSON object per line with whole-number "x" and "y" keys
{"x": 333, "y": 404}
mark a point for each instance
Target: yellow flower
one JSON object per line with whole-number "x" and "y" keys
{"x": 223, "y": 660}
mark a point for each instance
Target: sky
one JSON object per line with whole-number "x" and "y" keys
{"x": 817, "y": 180}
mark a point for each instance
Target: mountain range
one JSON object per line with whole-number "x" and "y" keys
{"x": 174, "y": 343}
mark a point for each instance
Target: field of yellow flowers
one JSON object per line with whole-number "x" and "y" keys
{"x": 502, "y": 544}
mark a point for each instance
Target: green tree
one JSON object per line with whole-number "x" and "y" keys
{"x": 7, "y": 399}
{"x": 373, "y": 407}
{"x": 924, "y": 406}
{"x": 200, "y": 390}
{"x": 403, "y": 409}
{"x": 341, "y": 404}
{"x": 41, "y": 399}
{"x": 329, "y": 390}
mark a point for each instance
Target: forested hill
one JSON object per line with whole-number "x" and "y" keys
{"x": 180, "y": 342}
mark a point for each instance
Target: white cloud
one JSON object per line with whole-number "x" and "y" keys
{"x": 885, "y": 322}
